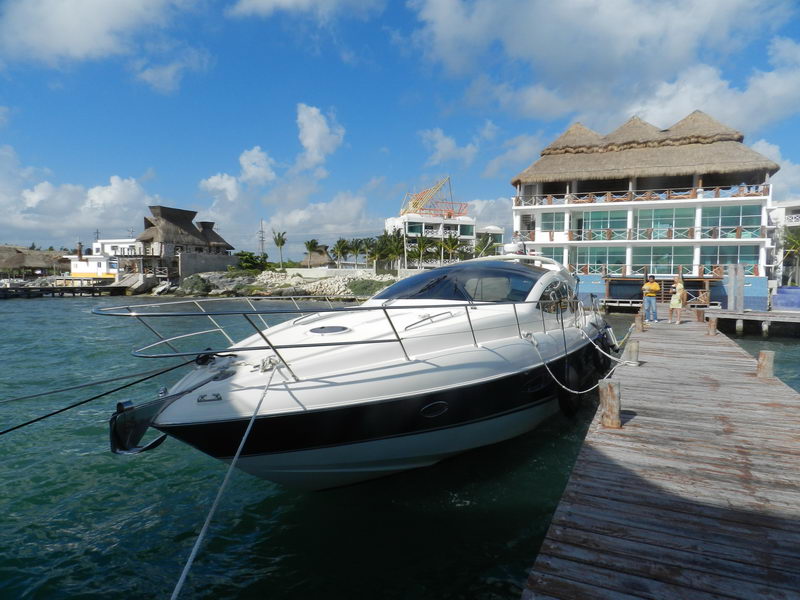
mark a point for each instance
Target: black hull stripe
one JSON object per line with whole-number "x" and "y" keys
{"x": 397, "y": 417}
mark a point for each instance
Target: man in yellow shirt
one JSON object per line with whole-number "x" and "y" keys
{"x": 650, "y": 289}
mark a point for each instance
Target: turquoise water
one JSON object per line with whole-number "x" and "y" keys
{"x": 80, "y": 522}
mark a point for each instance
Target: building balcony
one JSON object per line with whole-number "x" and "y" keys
{"x": 738, "y": 191}
{"x": 791, "y": 220}
{"x": 668, "y": 270}
{"x": 740, "y": 232}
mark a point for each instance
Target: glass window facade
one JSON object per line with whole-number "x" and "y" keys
{"x": 553, "y": 221}
{"x": 554, "y": 252}
{"x": 594, "y": 258}
{"x": 414, "y": 227}
{"x": 664, "y": 218}
{"x": 602, "y": 219}
{"x": 662, "y": 259}
{"x": 732, "y": 216}
{"x": 727, "y": 255}
{"x": 467, "y": 230}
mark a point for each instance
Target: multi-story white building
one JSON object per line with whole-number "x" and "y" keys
{"x": 686, "y": 200}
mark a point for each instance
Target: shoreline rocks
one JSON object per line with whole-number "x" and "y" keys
{"x": 271, "y": 283}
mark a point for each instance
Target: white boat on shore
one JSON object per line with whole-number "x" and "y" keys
{"x": 441, "y": 362}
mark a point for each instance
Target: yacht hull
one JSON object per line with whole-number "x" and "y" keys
{"x": 332, "y": 447}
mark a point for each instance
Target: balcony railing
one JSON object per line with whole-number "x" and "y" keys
{"x": 650, "y": 233}
{"x": 737, "y": 191}
{"x": 704, "y": 270}
{"x": 792, "y": 220}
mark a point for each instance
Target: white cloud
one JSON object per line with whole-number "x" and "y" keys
{"x": 256, "y": 166}
{"x": 222, "y": 187}
{"x": 322, "y": 11}
{"x": 53, "y": 30}
{"x": 492, "y": 212}
{"x": 520, "y": 152}
{"x": 319, "y": 135}
{"x": 166, "y": 77}
{"x": 344, "y": 216}
{"x": 786, "y": 182}
{"x": 577, "y": 60}
{"x": 35, "y": 209}
{"x": 444, "y": 148}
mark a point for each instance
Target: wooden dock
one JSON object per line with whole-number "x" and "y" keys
{"x": 697, "y": 496}
{"x": 61, "y": 291}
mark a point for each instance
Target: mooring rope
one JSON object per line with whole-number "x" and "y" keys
{"x": 82, "y": 402}
{"x": 82, "y": 385}
{"x": 221, "y": 490}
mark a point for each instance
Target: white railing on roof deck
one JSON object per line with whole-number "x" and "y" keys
{"x": 792, "y": 220}
{"x": 736, "y": 191}
{"x": 701, "y": 270}
{"x": 738, "y": 232}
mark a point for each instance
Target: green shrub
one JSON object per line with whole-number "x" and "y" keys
{"x": 367, "y": 287}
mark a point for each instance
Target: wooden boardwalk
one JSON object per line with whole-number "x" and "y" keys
{"x": 697, "y": 496}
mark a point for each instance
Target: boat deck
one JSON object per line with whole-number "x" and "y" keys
{"x": 696, "y": 496}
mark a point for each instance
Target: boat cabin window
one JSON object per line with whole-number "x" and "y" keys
{"x": 488, "y": 281}
{"x": 554, "y": 295}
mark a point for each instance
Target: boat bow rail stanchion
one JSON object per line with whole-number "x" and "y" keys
{"x": 553, "y": 314}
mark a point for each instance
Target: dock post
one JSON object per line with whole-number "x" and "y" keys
{"x": 765, "y": 328}
{"x": 610, "y": 404}
{"x": 639, "y": 321}
{"x": 712, "y": 326}
{"x": 766, "y": 361}
{"x": 631, "y": 352}
{"x": 700, "y": 315}
{"x": 739, "y": 326}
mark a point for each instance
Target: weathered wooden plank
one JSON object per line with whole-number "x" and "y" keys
{"x": 742, "y": 568}
{"x": 618, "y": 580}
{"x": 698, "y": 495}
{"x": 659, "y": 564}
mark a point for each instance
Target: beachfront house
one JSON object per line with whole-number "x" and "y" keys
{"x": 690, "y": 199}
{"x": 172, "y": 246}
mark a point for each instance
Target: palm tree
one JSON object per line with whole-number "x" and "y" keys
{"x": 280, "y": 241}
{"x": 312, "y": 245}
{"x": 450, "y": 244}
{"x": 420, "y": 250}
{"x": 356, "y": 248}
{"x": 791, "y": 250}
{"x": 370, "y": 250}
{"x": 341, "y": 249}
{"x": 483, "y": 244}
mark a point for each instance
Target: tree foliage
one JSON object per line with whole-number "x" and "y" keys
{"x": 249, "y": 261}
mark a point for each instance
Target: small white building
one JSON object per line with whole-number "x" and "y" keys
{"x": 103, "y": 261}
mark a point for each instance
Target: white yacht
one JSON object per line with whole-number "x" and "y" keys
{"x": 441, "y": 362}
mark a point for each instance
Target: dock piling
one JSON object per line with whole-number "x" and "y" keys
{"x": 766, "y": 362}
{"x": 610, "y": 404}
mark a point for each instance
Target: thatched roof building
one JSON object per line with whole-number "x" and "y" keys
{"x": 19, "y": 259}
{"x": 319, "y": 257}
{"x": 696, "y": 145}
{"x": 175, "y": 226}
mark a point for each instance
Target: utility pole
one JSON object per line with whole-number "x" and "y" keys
{"x": 96, "y": 235}
{"x": 261, "y": 237}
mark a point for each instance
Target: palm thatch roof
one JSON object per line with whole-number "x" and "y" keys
{"x": 175, "y": 226}
{"x": 18, "y": 258}
{"x": 695, "y": 145}
{"x": 319, "y": 257}
{"x": 211, "y": 237}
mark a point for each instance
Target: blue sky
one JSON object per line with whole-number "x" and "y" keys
{"x": 318, "y": 117}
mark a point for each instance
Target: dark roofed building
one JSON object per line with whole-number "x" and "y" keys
{"x": 172, "y": 245}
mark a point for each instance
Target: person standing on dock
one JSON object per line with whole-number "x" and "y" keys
{"x": 650, "y": 289}
{"x": 675, "y": 304}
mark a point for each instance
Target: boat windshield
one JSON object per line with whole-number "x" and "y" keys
{"x": 490, "y": 281}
